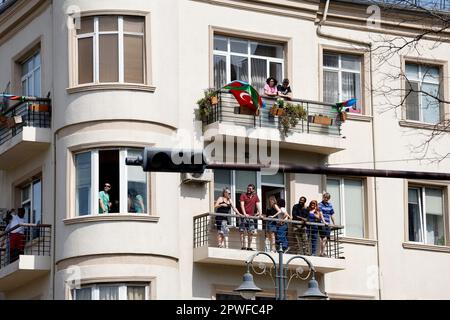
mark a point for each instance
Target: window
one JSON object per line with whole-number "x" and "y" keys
{"x": 341, "y": 78}
{"x": 31, "y": 201}
{"x": 112, "y": 291}
{"x": 422, "y": 93}
{"x": 129, "y": 187}
{"x": 111, "y": 49}
{"x": 347, "y": 196}
{"x": 31, "y": 75}
{"x": 425, "y": 215}
{"x": 246, "y": 60}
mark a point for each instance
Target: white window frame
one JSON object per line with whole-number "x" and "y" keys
{"x": 96, "y": 49}
{"x": 227, "y": 54}
{"x": 339, "y": 70}
{"x": 420, "y": 80}
{"x": 30, "y": 75}
{"x": 123, "y": 182}
{"x": 95, "y": 290}
{"x": 342, "y": 202}
{"x": 423, "y": 213}
{"x": 30, "y": 199}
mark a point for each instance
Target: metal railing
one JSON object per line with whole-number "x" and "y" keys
{"x": 24, "y": 239}
{"x": 228, "y": 110}
{"x": 24, "y": 114}
{"x": 301, "y": 238}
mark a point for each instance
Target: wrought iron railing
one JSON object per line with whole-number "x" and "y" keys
{"x": 24, "y": 114}
{"x": 24, "y": 239}
{"x": 228, "y": 110}
{"x": 302, "y": 238}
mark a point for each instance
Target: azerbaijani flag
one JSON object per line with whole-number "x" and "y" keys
{"x": 245, "y": 95}
{"x": 346, "y": 104}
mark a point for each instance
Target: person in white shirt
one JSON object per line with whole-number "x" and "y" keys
{"x": 16, "y": 235}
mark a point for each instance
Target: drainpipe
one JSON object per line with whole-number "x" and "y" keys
{"x": 53, "y": 269}
{"x": 322, "y": 34}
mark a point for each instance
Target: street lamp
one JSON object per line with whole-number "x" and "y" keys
{"x": 248, "y": 288}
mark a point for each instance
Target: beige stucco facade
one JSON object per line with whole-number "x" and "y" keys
{"x": 157, "y": 249}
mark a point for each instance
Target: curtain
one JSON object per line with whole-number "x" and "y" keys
{"x": 83, "y": 294}
{"x": 108, "y": 292}
{"x": 133, "y": 48}
{"x": 414, "y": 216}
{"x": 135, "y": 293}
{"x": 330, "y": 86}
{"x": 85, "y": 60}
{"x": 276, "y": 70}
{"x": 354, "y": 221}
{"x": 259, "y": 74}
{"x": 434, "y": 216}
{"x": 333, "y": 188}
{"x": 220, "y": 71}
{"x": 239, "y": 68}
{"x": 109, "y": 58}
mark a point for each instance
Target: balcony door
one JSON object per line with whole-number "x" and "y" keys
{"x": 31, "y": 201}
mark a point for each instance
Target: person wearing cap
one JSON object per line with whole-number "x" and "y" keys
{"x": 284, "y": 90}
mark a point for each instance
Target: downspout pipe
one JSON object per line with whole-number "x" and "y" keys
{"x": 322, "y": 34}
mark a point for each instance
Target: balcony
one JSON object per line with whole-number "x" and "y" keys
{"x": 30, "y": 259}
{"x": 206, "y": 249}
{"x": 226, "y": 118}
{"x": 24, "y": 130}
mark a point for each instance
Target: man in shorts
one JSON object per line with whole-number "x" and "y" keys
{"x": 248, "y": 225}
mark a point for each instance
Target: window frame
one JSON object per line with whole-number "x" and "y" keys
{"x": 122, "y": 289}
{"x": 364, "y": 188}
{"x": 422, "y": 207}
{"x": 123, "y": 183}
{"x": 339, "y": 70}
{"x": 30, "y": 75}
{"x": 30, "y": 200}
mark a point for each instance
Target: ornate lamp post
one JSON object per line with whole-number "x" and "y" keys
{"x": 248, "y": 288}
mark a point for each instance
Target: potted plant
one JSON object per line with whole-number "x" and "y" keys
{"x": 291, "y": 116}
{"x": 206, "y": 103}
{"x": 324, "y": 120}
{"x": 278, "y": 108}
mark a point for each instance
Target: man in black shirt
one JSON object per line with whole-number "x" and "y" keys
{"x": 300, "y": 213}
{"x": 284, "y": 90}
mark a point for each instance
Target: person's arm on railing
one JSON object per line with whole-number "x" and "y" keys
{"x": 258, "y": 208}
{"x": 234, "y": 208}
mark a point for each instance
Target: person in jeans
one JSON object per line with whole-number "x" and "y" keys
{"x": 300, "y": 214}
{"x": 16, "y": 235}
{"x": 314, "y": 216}
{"x": 327, "y": 211}
{"x": 248, "y": 202}
{"x": 271, "y": 226}
{"x": 223, "y": 205}
{"x": 282, "y": 226}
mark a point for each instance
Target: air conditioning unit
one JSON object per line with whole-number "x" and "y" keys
{"x": 206, "y": 176}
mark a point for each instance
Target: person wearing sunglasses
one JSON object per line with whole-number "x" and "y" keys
{"x": 103, "y": 199}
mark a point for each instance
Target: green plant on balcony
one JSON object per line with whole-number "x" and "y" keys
{"x": 292, "y": 115}
{"x": 206, "y": 103}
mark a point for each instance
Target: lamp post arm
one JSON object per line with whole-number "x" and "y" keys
{"x": 310, "y": 265}
{"x": 250, "y": 260}
{"x": 278, "y": 285}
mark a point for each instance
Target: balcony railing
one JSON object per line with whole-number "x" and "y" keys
{"x": 24, "y": 114}
{"x": 302, "y": 238}
{"x": 34, "y": 241}
{"x": 228, "y": 110}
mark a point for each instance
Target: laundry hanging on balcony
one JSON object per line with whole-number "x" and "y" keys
{"x": 245, "y": 95}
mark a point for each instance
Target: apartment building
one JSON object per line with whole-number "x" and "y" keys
{"x": 116, "y": 76}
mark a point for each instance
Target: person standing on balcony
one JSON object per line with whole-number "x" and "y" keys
{"x": 103, "y": 199}
{"x": 300, "y": 214}
{"x": 5, "y": 238}
{"x": 223, "y": 205}
{"x": 282, "y": 226}
{"x": 327, "y": 211}
{"x": 284, "y": 90}
{"x": 16, "y": 235}
{"x": 270, "y": 88}
{"x": 314, "y": 216}
{"x": 271, "y": 226}
{"x": 248, "y": 202}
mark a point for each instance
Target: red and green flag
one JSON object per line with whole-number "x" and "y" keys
{"x": 245, "y": 95}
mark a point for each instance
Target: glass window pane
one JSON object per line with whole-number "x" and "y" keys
{"x": 430, "y": 105}
{"x": 133, "y": 58}
{"x": 433, "y": 200}
{"x": 351, "y": 62}
{"x": 239, "y": 68}
{"x": 430, "y": 74}
{"x": 220, "y": 43}
{"x": 351, "y": 86}
{"x": 26, "y": 193}
{"x": 266, "y": 50}
{"x": 83, "y": 294}
{"x": 86, "y": 25}
{"x": 222, "y": 180}
{"x": 37, "y": 83}
{"x": 330, "y": 86}
{"x": 37, "y": 202}
{"x": 239, "y": 46}
{"x": 331, "y": 60}
{"x": 85, "y": 61}
{"x": 108, "y": 23}
{"x": 37, "y": 60}
{"x": 108, "y": 292}
{"x": 333, "y": 188}
{"x": 83, "y": 183}
{"x": 135, "y": 293}
{"x": 273, "y": 178}
{"x": 109, "y": 58}
{"x": 133, "y": 24}
{"x": 24, "y": 68}
{"x": 412, "y": 71}
{"x": 137, "y": 186}
{"x": 412, "y": 100}
{"x": 276, "y": 70}
{"x": 354, "y": 211}
{"x": 434, "y": 218}
{"x": 220, "y": 71}
{"x": 414, "y": 215}
{"x": 243, "y": 179}
{"x": 259, "y": 73}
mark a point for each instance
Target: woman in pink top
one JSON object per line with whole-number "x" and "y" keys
{"x": 270, "y": 89}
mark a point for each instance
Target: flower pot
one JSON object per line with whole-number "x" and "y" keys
{"x": 39, "y": 107}
{"x": 214, "y": 100}
{"x": 275, "y": 111}
{"x": 323, "y": 120}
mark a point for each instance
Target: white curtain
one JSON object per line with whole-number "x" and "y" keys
{"x": 354, "y": 222}
{"x": 136, "y": 293}
{"x": 83, "y": 294}
{"x": 259, "y": 74}
{"x": 108, "y": 293}
{"x": 239, "y": 68}
{"x": 220, "y": 71}
{"x": 434, "y": 218}
{"x": 330, "y": 87}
